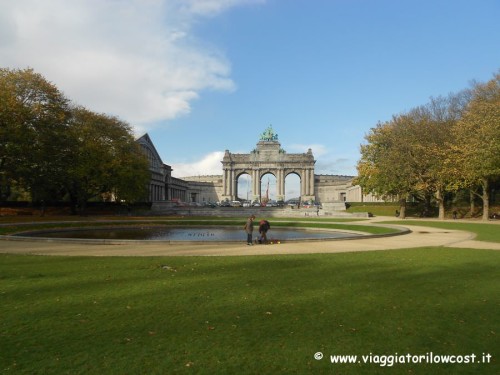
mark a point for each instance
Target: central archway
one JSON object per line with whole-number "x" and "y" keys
{"x": 292, "y": 187}
{"x": 268, "y": 187}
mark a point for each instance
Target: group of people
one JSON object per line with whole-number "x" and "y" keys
{"x": 264, "y": 226}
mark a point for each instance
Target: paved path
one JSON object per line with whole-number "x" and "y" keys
{"x": 419, "y": 237}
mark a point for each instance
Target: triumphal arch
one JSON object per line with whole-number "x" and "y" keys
{"x": 268, "y": 157}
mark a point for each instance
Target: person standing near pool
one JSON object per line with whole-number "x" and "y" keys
{"x": 249, "y": 229}
{"x": 263, "y": 228}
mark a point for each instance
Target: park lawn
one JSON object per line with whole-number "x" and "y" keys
{"x": 384, "y": 209}
{"x": 483, "y": 231}
{"x": 248, "y": 314}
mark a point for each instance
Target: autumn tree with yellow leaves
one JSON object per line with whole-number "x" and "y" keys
{"x": 52, "y": 148}
{"x": 431, "y": 150}
{"x": 477, "y": 141}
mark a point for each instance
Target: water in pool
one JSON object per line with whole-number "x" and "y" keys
{"x": 187, "y": 234}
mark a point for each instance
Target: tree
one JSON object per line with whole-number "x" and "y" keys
{"x": 132, "y": 176}
{"x": 425, "y": 140}
{"x": 477, "y": 148}
{"x": 10, "y": 133}
{"x": 105, "y": 159}
{"x": 34, "y": 118}
{"x": 433, "y": 138}
{"x": 384, "y": 169}
{"x": 131, "y": 166}
{"x": 411, "y": 155}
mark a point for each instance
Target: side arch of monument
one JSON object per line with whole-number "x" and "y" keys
{"x": 239, "y": 174}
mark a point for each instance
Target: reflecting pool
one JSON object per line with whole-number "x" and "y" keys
{"x": 162, "y": 233}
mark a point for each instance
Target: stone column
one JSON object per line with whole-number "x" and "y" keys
{"x": 311, "y": 182}
{"x": 311, "y": 172}
{"x": 302, "y": 183}
{"x": 256, "y": 183}
{"x": 224, "y": 182}
{"x": 231, "y": 193}
{"x": 306, "y": 185}
{"x": 280, "y": 180}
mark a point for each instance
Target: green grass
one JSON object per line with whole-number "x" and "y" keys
{"x": 483, "y": 231}
{"x": 415, "y": 210}
{"x": 248, "y": 315}
{"x": 383, "y": 209}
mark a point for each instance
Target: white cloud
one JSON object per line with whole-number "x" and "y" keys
{"x": 208, "y": 7}
{"x": 317, "y": 149}
{"x": 209, "y": 165}
{"x": 336, "y": 165}
{"x": 136, "y": 59}
{"x": 328, "y": 162}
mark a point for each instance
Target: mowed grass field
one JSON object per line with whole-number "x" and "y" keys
{"x": 489, "y": 232}
{"x": 250, "y": 315}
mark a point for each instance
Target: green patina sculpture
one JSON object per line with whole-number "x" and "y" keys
{"x": 268, "y": 135}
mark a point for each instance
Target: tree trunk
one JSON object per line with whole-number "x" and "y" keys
{"x": 472, "y": 206}
{"x": 82, "y": 207}
{"x": 486, "y": 199}
{"x": 427, "y": 205}
{"x": 402, "y": 208}
{"x": 42, "y": 208}
{"x": 440, "y": 199}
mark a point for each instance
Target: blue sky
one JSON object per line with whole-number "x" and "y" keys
{"x": 203, "y": 76}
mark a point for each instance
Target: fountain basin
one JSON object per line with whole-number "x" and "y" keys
{"x": 184, "y": 234}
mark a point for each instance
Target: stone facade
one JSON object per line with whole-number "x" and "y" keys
{"x": 332, "y": 188}
{"x": 162, "y": 186}
{"x": 204, "y": 189}
{"x": 158, "y": 170}
{"x": 355, "y": 194}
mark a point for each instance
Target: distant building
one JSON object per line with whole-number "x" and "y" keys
{"x": 204, "y": 189}
{"x": 162, "y": 186}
